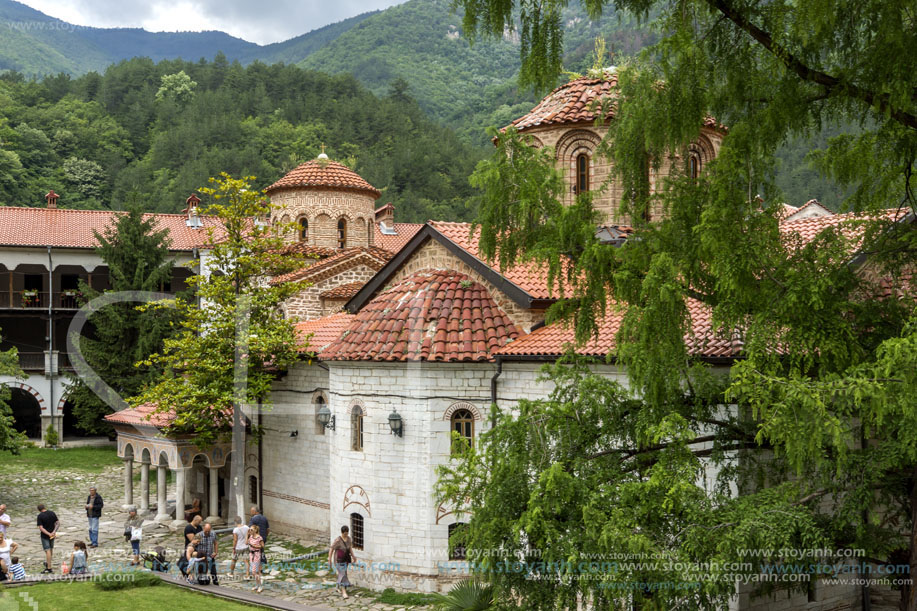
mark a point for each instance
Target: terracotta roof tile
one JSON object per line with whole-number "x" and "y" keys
{"x": 142, "y": 415}
{"x": 850, "y": 223}
{"x": 67, "y": 228}
{"x": 531, "y": 278}
{"x": 323, "y": 330}
{"x": 373, "y": 257}
{"x": 345, "y": 291}
{"x": 552, "y": 340}
{"x": 434, "y": 315}
{"x": 323, "y": 174}
{"x": 404, "y": 232}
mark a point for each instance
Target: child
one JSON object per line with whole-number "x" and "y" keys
{"x": 200, "y": 566}
{"x": 255, "y": 549}
{"x": 17, "y": 571}
{"x": 78, "y": 558}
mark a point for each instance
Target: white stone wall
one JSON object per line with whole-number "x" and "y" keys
{"x": 296, "y": 469}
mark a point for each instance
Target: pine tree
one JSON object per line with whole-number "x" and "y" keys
{"x": 137, "y": 255}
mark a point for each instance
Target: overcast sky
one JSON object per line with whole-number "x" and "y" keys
{"x": 261, "y": 21}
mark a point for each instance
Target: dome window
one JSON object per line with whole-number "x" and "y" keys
{"x": 342, "y": 233}
{"x": 303, "y": 229}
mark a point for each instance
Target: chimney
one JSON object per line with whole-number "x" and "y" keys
{"x": 386, "y": 215}
{"x": 52, "y": 198}
{"x": 192, "y": 202}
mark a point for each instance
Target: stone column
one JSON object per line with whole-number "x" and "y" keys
{"x": 181, "y": 491}
{"x": 144, "y": 487}
{"x": 214, "y": 505}
{"x": 128, "y": 482}
{"x": 161, "y": 503}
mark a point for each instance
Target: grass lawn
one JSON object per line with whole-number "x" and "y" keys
{"x": 90, "y": 460}
{"x": 86, "y": 596}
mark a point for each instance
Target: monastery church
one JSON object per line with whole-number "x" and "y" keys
{"x": 412, "y": 335}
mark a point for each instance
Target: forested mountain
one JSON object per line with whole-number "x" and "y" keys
{"x": 100, "y": 139}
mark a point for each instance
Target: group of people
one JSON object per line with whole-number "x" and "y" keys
{"x": 10, "y": 567}
{"x": 199, "y": 562}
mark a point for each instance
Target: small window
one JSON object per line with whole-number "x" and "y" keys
{"x": 319, "y": 427}
{"x": 303, "y": 229}
{"x": 342, "y": 233}
{"x": 463, "y": 424}
{"x": 356, "y": 530}
{"x": 694, "y": 165}
{"x": 582, "y": 173}
{"x": 252, "y": 489}
{"x": 356, "y": 425}
{"x": 456, "y": 547}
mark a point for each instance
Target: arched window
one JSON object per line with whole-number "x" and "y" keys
{"x": 319, "y": 427}
{"x": 693, "y": 165}
{"x": 303, "y": 229}
{"x": 356, "y": 425}
{"x": 342, "y": 232}
{"x": 582, "y": 173}
{"x": 356, "y": 530}
{"x": 463, "y": 424}
{"x": 252, "y": 489}
{"x": 456, "y": 548}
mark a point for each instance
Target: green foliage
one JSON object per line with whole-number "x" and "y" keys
{"x": 391, "y": 597}
{"x": 818, "y": 446}
{"x": 51, "y": 436}
{"x": 87, "y": 460}
{"x": 127, "y": 580}
{"x": 232, "y": 323}
{"x": 11, "y": 440}
{"x": 137, "y": 129}
{"x": 466, "y": 595}
{"x": 136, "y": 252}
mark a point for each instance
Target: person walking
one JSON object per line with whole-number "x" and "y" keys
{"x": 7, "y": 548}
{"x": 4, "y": 519}
{"x": 47, "y": 530}
{"x": 134, "y": 526}
{"x": 260, "y": 521}
{"x": 94, "y": 512}
{"x": 255, "y": 553}
{"x": 339, "y": 556}
{"x": 79, "y": 559}
{"x": 240, "y": 548}
{"x": 208, "y": 547}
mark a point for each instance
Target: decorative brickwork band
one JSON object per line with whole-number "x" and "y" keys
{"x": 295, "y": 499}
{"x": 462, "y": 405}
{"x": 355, "y": 495}
{"x": 31, "y": 391}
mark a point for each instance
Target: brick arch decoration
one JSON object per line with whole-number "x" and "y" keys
{"x": 447, "y": 415}
{"x": 356, "y": 495}
{"x": 323, "y": 395}
{"x": 703, "y": 147}
{"x": 33, "y": 392}
{"x": 356, "y": 403}
{"x": 576, "y": 141}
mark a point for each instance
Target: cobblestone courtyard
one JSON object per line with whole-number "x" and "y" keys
{"x": 25, "y": 483}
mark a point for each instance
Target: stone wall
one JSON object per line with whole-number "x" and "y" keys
{"x": 296, "y": 469}
{"x": 434, "y": 255}
{"x": 323, "y": 208}
{"x": 308, "y": 303}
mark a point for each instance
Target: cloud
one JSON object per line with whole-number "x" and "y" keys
{"x": 262, "y": 22}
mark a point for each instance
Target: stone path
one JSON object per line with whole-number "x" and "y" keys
{"x": 305, "y": 583}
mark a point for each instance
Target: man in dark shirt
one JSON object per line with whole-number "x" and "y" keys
{"x": 260, "y": 521}
{"x": 192, "y": 529}
{"x": 94, "y": 512}
{"x": 47, "y": 529}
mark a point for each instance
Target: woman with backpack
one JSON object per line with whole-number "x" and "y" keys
{"x": 339, "y": 556}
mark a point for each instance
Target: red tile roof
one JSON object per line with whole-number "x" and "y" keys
{"x": 394, "y": 243}
{"x": 531, "y": 278}
{"x": 572, "y": 102}
{"x": 67, "y": 228}
{"x": 552, "y": 340}
{"x": 324, "y": 174}
{"x": 372, "y": 257}
{"x": 345, "y": 291}
{"x": 142, "y": 415}
{"x": 323, "y": 330}
{"x": 850, "y": 223}
{"x": 437, "y": 315}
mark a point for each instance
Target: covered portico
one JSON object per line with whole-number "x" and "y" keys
{"x": 197, "y": 473}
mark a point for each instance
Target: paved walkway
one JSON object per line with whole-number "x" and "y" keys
{"x": 307, "y": 585}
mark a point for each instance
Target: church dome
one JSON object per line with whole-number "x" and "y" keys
{"x": 323, "y": 173}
